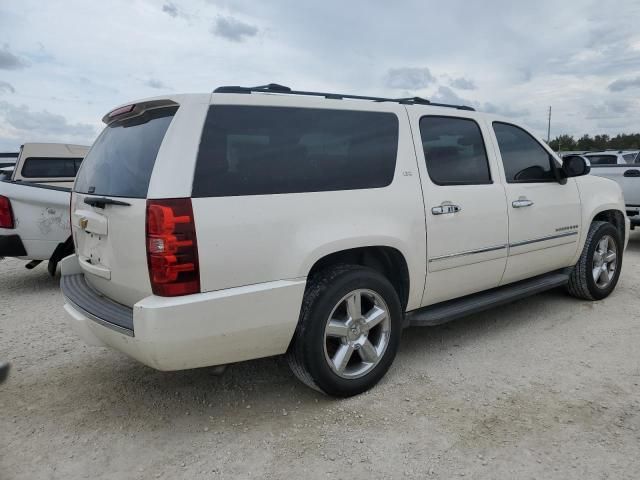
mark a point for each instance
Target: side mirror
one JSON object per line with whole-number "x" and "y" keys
{"x": 575, "y": 166}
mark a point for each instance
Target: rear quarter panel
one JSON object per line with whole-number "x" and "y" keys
{"x": 252, "y": 239}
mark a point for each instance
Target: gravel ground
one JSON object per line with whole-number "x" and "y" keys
{"x": 546, "y": 387}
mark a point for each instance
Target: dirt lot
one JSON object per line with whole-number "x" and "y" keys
{"x": 547, "y": 387}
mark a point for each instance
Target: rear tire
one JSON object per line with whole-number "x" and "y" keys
{"x": 597, "y": 272}
{"x": 349, "y": 331}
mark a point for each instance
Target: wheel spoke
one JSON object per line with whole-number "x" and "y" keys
{"x": 603, "y": 246}
{"x": 604, "y": 274}
{"x": 368, "y": 352}
{"x": 374, "y": 317}
{"x": 342, "y": 357}
{"x": 596, "y": 273}
{"x": 336, "y": 328}
{"x": 354, "y": 306}
{"x": 597, "y": 257}
{"x": 610, "y": 256}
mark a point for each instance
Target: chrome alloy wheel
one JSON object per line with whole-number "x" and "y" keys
{"x": 357, "y": 334}
{"x": 605, "y": 262}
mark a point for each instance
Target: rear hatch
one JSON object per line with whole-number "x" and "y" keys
{"x": 108, "y": 206}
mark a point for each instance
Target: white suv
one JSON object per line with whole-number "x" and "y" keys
{"x": 250, "y": 222}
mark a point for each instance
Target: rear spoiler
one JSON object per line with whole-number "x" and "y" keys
{"x": 135, "y": 109}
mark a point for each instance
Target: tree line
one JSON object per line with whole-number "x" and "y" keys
{"x": 622, "y": 141}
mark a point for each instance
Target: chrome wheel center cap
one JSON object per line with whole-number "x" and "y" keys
{"x": 354, "y": 332}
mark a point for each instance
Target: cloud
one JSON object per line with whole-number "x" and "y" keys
{"x": 233, "y": 29}
{"x": 155, "y": 83}
{"x": 463, "y": 83}
{"x": 409, "y": 78}
{"x": 446, "y": 95}
{"x": 9, "y": 61}
{"x": 43, "y": 122}
{"x": 170, "y": 9}
{"x": 566, "y": 61}
{"x": 6, "y": 87}
{"x": 609, "y": 109}
{"x": 624, "y": 83}
{"x": 504, "y": 110}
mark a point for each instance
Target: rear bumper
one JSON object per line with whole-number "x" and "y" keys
{"x": 206, "y": 329}
{"x": 11, "y": 246}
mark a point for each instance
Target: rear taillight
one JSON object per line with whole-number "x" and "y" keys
{"x": 6, "y": 214}
{"x": 172, "y": 249}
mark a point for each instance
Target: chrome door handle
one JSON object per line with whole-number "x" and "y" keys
{"x": 521, "y": 202}
{"x": 445, "y": 209}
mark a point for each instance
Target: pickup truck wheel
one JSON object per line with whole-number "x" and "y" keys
{"x": 596, "y": 273}
{"x": 349, "y": 331}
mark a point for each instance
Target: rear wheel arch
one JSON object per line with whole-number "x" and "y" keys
{"x": 389, "y": 261}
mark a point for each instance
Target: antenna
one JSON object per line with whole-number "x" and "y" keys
{"x": 549, "y": 127}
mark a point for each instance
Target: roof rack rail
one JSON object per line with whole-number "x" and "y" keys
{"x": 276, "y": 88}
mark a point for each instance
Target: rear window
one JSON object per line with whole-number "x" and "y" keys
{"x": 44, "y": 167}
{"x": 248, "y": 150}
{"x": 122, "y": 158}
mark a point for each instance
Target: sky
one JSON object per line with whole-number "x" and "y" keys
{"x": 64, "y": 64}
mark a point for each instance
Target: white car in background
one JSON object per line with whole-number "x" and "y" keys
{"x": 623, "y": 167}
{"x": 216, "y": 228}
{"x": 612, "y": 157}
{"x": 34, "y": 203}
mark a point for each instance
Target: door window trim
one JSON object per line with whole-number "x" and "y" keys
{"x": 552, "y": 163}
{"x": 484, "y": 146}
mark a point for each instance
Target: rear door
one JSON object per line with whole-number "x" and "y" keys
{"x": 465, "y": 205}
{"x": 544, "y": 215}
{"x": 109, "y": 202}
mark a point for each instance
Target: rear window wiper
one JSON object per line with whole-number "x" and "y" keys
{"x": 102, "y": 201}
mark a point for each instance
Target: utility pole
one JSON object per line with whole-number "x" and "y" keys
{"x": 549, "y": 127}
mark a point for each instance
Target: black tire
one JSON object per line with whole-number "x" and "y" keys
{"x": 306, "y": 354}
{"x": 581, "y": 282}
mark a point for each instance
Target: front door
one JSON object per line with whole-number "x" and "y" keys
{"x": 465, "y": 206}
{"x": 544, "y": 214}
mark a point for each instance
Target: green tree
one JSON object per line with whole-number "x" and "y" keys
{"x": 621, "y": 141}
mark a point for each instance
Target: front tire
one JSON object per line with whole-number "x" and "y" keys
{"x": 597, "y": 272}
{"x": 349, "y": 331}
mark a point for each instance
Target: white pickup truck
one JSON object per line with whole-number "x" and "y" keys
{"x": 624, "y": 169}
{"x": 34, "y": 203}
{"x": 215, "y": 228}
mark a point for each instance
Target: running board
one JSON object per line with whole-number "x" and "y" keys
{"x": 477, "y": 302}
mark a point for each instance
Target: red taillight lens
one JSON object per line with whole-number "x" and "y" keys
{"x": 172, "y": 248}
{"x": 6, "y": 214}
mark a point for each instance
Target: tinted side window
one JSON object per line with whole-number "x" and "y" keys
{"x": 524, "y": 159}
{"x": 41, "y": 167}
{"x": 629, "y": 157}
{"x": 248, "y": 150}
{"x": 121, "y": 160}
{"x": 454, "y": 151}
{"x": 602, "y": 159}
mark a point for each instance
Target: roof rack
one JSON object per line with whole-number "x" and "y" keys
{"x": 275, "y": 88}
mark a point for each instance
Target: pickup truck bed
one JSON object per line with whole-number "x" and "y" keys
{"x": 41, "y": 217}
{"x": 34, "y": 202}
{"x": 628, "y": 177}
